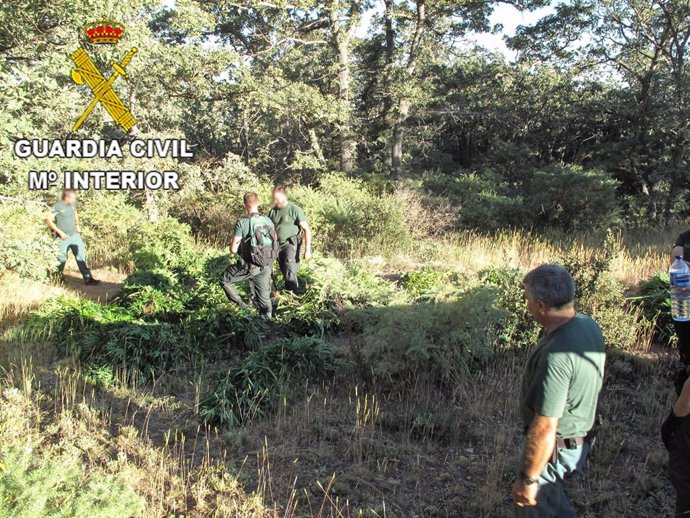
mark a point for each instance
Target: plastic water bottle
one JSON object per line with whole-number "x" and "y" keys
{"x": 680, "y": 281}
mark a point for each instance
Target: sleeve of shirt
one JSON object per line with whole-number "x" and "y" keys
{"x": 299, "y": 216}
{"x": 551, "y": 399}
{"x": 53, "y": 210}
{"x": 238, "y": 228}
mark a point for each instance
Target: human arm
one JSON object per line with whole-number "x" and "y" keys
{"x": 50, "y": 221}
{"x": 76, "y": 222}
{"x": 539, "y": 446}
{"x": 307, "y": 239}
{"x": 682, "y": 406}
{"x": 235, "y": 244}
{"x": 236, "y": 237}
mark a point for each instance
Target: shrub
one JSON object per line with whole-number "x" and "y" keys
{"x": 518, "y": 328}
{"x": 349, "y": 218}
{"x": 435, "y": 342}
{"x": 421, "y": 283}
{"x": 331, "y": 288}
{"x": 108, "y": 224}
{"x": 654, "y": 299}
{"x": 572, "y": 198}
{"x": 600, "y": 296}
{"x": 250, "y": 390}
{"x": 26, "y": 248}
{"x": 57, "y": 485}
{"x": 166, "y": 244}
{"x": 561, "y": 196}
{"x": 219, "y": 328}
{"x": 153, "y": 294}
{"x": 476, "y": 195}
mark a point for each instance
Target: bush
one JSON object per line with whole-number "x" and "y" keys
{"x": 655, "y": 301}
{"x": 52, "y": 486}
{"x": 348, "y": 217}
{"x": 600, "y": 296}
{"x": 166, "y": 244}
{"x": 476, "y": 195}
{"x": 518, "y": 329}
{"x": 435, "y": 342}
{"x": 26, "y": 247}
{"x": 108, "y": 224}
{"x": 558, "y": 196}
{"x": 422, "y": 283}
{"x": 572, "y": 198}
{"x": 153, "y": 294}
{"x": 250, "y": 390}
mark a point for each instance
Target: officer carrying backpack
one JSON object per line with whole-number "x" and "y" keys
{"x": 263, "y": 247}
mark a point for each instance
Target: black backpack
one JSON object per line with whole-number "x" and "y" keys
{"x": 261, "y": 245}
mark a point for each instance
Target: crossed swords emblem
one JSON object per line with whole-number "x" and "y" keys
{"x": 86, "y": 72}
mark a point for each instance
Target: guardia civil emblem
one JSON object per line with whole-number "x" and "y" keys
{"x": 103, "y": 32}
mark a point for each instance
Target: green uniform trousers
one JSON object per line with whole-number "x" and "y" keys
{"x": 259, "y": 278}
{"x": 552, "y": 501}
{"x": 288, "y": 259}
{"x": 76, "y": 244}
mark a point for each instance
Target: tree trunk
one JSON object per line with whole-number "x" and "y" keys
{"x": 346, "y": 139}
{"x": 404, "y": 104}
{"x": 398, "y": 134}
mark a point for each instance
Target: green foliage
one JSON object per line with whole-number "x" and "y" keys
{"x": 518, "y": 328}
{"x": 58, "y": 486}
{"x": 166, "y": 244}
{"x": 436, "y": 343}
{"x": 26, "y": 247}
{"x": 109, "y": 224}
{"x": 153, "y": 294}
{"x": 558, "y": 196}
{"x": 351, "y": 218}
{"x": 250, "y": 390}
{"x": 422, "y": 282}
{"x": 223, "y": 328}
{"x": 654, "y": 299}
{"x": 572, "y": 198}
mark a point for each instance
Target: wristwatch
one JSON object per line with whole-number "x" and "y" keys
{"x": 527, "y": 481}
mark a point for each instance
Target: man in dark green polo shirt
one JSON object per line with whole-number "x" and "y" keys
{"x": 64, "y": 222}
{"x": 290, "y": 221}
{"x": 259, "y": 277}
{"x": 561, "y": 384}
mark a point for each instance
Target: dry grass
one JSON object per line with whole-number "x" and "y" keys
{"x": 640, "y": 253}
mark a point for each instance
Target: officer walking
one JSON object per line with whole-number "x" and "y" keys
{"x": 561, "y": 384}
{"x": 290, "y": 221}
{"x": 255, "y": 258}
{"x": 64, "y": 222}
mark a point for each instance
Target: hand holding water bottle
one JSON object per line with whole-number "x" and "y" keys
{"x": 680, "y": 289}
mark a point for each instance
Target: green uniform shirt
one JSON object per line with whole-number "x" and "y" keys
{"x": 65, "y": 218}
{"x": 287, "y": 221}
{"x": 563, "y": 377}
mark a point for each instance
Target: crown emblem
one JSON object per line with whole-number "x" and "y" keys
{"x": 104, "y": 32}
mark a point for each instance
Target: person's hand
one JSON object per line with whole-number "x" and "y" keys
{"x": 77, "y": 229}
{"x": 307, "y": 254}
{"x": 62, "y": 235}
{"x": 525, "y": 495}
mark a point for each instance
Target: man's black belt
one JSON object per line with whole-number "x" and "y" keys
{"x": 570, "y": 443}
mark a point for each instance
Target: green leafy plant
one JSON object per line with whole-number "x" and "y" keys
{"x": 252, "y": 389}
